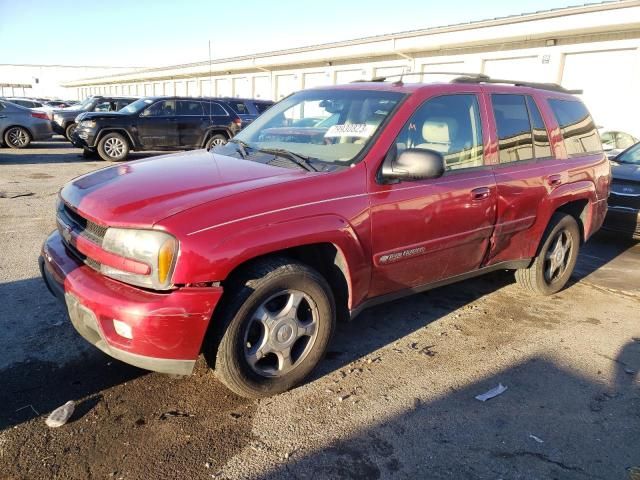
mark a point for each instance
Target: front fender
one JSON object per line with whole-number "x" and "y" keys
{"x": 225, "y": 255}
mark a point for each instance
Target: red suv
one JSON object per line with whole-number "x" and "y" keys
{"x": 335, "y": 199}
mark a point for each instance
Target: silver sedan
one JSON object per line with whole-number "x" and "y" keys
{"x": 19, "y": 125}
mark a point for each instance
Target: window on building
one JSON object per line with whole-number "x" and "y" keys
{"x": 577, "y": 127}
{"x": 541, "y": 146}
{"x": 449, "y": 124}
{"x": 515, "y": 141}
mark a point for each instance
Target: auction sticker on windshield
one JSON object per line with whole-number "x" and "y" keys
{"x": 361, "y": 130}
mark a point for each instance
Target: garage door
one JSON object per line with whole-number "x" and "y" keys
{"x": 223, "y": 87}
{"x": 609, "y": 81}
{"x": 285, "y": 84}
{"x": 241, "y": 87}
{"x": 262, "y": 87}
{"x": 440, "y": 67}
{"x": 529, "y": 69}
{"x": 316, "y": 79}
{"x": 348, "y": 76}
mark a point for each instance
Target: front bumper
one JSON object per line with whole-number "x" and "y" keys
{"x": 623, "y": 220}
{"x": 84, "y": 138}
{"x": 167, "y": 328}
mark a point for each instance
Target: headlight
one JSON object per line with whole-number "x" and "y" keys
{"x": 87, "y": 124}
{"x": 157, "y": 249}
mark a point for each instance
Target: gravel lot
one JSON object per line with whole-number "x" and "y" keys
{"x": 394, "y": 398}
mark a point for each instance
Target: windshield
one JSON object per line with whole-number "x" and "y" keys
{"x": 630, "y": 156}
{"x": 137, "y": 106}
{"x": 82, "y": 106}
{"x": 328, "y": 125}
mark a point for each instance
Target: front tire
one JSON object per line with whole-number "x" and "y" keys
{"x": 69, "y": 130}
{"x": 216, "y": 141}
{"x": 17, "y": 137}
{"x": 277, "y": 325}
{"x": 113, "y": 147}
{"x": 556, "y": 259}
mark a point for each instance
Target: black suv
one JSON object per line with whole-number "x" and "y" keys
{"x": 248, "y": 109}
{"x": 157, "y": 123}
{"x": 64, "y": 120}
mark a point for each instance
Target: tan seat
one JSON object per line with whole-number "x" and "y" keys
{"x": 438, "y": 134}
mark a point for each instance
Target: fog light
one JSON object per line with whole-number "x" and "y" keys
{"x": 123, "y": 329}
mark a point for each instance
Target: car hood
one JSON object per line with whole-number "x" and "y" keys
{"x": 625, "y": 171}
{"x": 143, "y": 192}
{"x": 94, "y": 115}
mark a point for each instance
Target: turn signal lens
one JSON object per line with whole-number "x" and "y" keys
{"x": 165, "y": 259}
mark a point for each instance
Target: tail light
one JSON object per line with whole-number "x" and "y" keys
{"x": 238, "y": 122}
{"x": 41, "y": 115}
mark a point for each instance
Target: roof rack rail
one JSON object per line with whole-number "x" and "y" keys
{"x": 410, "y": 74}
{"x": 554, "y": 87}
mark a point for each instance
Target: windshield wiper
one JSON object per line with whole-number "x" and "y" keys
{"x": 242, "y": 147}
{"x": 298, "y": 159}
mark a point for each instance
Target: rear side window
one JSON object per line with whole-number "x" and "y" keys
{"x": 189, "y": 108}
{"x": 577, "y": 127}
{"x": 217, "y": 109}
{"x": 541, "y": 147}
{"x": 262, "y": 107}
{"x": 515, "y": 141}
{"x": 240, "y": 108}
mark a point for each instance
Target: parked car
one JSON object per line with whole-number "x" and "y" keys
{"x": 156, "y": 123}
{"x": 614, "y": 142}
{"x": 250, "y": 251}
{"x": 24, "y": 102}
{"x": 248, "y": 109}
{"x": 19, "y": 126}
{"x": 64, "y": 120}
{"x": 623, "y": 215}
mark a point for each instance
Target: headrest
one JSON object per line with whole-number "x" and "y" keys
{"x": 438, "y": 130}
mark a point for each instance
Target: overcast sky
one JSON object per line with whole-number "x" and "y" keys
{"x": 160, "y": 32}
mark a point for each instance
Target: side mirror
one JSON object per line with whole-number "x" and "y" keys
{"x": 412, "y": 164}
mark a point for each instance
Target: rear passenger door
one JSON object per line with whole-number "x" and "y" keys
{"x": 427, "y": 230}
{"x": 192, "y": 123}
{"x": 523, "y": 172}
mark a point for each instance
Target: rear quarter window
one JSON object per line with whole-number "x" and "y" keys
{"x": 578, "y": 129}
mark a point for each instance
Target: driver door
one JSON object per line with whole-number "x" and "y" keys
{"x": 157, "y": 125}
{"x": 428, "y": 230}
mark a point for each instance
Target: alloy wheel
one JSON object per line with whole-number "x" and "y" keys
{"x": 114, "y": 147}
{"x": 18, "y": 137}
{"x": 281, "y": 333}
{"x": 558, "y": 256}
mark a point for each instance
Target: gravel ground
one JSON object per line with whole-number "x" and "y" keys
{"x": 393, "y": 399}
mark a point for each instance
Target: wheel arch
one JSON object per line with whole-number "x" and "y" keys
{"x": 214, "y": 131}
{"x": 124, "y": 131}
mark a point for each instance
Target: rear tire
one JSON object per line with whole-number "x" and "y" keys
{"x": 17, "y": 137}
{"x": 113, "y": 147}
{"x": 69, "y": 130}
{"x": 275, "y": 328}
{"x": 556, "y": 258}
{"x": 216, "y": 140}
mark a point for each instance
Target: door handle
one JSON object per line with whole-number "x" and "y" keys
{"x": 554, "y": 180}
{"x": 480, "y": 193}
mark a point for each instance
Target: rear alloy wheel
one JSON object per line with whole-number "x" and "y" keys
{"x": 17, "y": 137}
{"x": 277, "y": 322}
{"x": 216, "y": 141}
{"x": 556, "y": 258}
{"x": 69, "y": 130}
{"x": 113, "y": 147}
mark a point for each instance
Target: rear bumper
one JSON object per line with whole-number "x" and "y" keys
{"x": 167, "y": 329}
{"x": 42, "y": 130}
{"x": 623, "y": 220}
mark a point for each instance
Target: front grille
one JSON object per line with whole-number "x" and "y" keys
{"x": 69, "y": 219}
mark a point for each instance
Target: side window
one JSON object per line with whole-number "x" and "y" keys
{"x": 189, "y": 108}
{"x": 515, "y": 141}
{"x": 262, "y": 107}
{"x": 624, "y": 140}
{"x": 449, "y": 124}
{"x": 122, "y": 103}
{"x": 165, "y": 108}
{"x": 541, "y": 147}
{"x": 577, "y": 127}
{"x": 240, "y": 108}
{"x": 106, "y": 106}
{"x": 216, "y": 109}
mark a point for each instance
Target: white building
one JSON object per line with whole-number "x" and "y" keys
{"x": 594, "y": 47}
{"x": 46, "y": 80}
